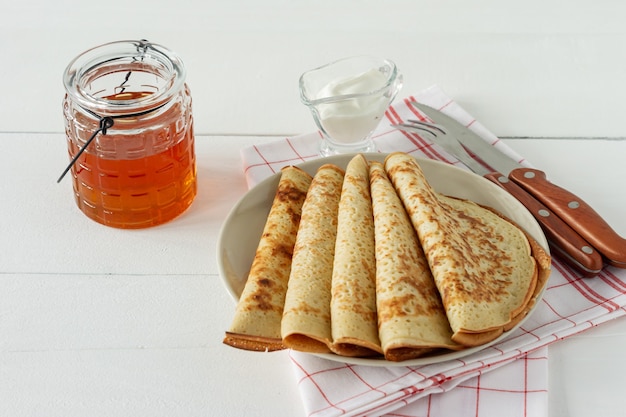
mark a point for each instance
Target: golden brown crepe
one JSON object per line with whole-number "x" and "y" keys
{"x": 411, "y": 317}
{"x": 257, "y": 320}
{"x": 481, "y": 263}
{"x": 353, "y": 302}
{"x": 374, "y": 262}
{"x": 306, "y": 323}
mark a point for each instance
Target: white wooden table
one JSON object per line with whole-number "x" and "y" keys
{"x": 98, "y": 321}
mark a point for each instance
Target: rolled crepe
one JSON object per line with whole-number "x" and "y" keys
{"x": 306, "y": 322}
{"x": 257, "y": 320}
{"x": 411, "y": 317}
{"x": 481, "y": 263}
{"x": 353, "y": 300}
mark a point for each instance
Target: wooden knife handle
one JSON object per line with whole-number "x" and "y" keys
{"x": 575, "y": 212}
{"x": 563, "y": 240}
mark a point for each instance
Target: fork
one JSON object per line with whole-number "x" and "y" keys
{"x": 449, "y": 143}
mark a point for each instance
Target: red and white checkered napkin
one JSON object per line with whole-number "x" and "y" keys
{"x": 509, "y": 378}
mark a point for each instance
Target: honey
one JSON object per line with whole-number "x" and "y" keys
{"x": 141, "y": 171}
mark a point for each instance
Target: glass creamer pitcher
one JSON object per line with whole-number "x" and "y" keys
{"x": 348, "y": 98}
{"x": 129, "y": 129}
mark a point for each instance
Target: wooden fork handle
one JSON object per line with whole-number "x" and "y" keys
{"x": 563, "y": 240}
{"x": 575, "y": 212}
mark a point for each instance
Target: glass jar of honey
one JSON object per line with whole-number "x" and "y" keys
{"x": 129, "y": 129}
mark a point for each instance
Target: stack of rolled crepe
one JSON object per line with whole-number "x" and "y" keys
{"x": 384, "y": 265}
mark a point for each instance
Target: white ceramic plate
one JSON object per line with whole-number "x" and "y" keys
{"x": 242, "y": 229}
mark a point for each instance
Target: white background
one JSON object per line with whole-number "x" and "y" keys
{"x": 96, "y": 321}
{"x": 526, "y": 68}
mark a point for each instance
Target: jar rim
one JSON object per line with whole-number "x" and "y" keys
{"x": 123, "y": 56}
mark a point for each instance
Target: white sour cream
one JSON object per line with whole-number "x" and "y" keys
{"x": 349, "y": 120}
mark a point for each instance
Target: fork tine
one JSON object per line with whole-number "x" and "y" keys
{"x": 418, "y": 128}
{"x": 449, "y": 143}
{"x": 427, "y": 124}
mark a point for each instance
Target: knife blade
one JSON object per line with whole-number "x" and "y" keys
{"x": 562, "y": 239}
{"x": 573, "y": 210}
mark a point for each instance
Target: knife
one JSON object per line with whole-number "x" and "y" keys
{"x": 575, "y": 212}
